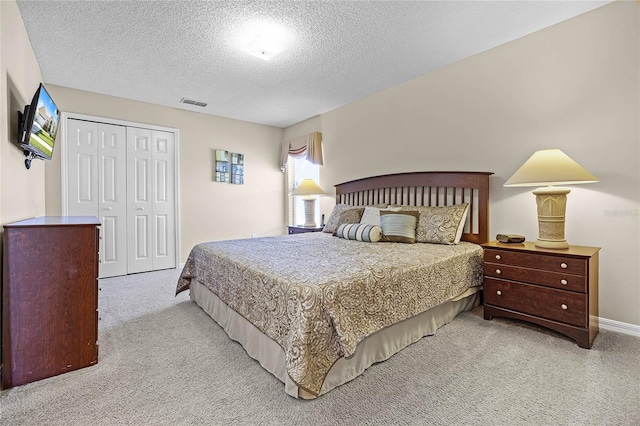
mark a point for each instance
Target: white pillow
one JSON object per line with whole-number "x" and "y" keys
{"x": 371, "y": 215}
{"x": 460, "y": 230}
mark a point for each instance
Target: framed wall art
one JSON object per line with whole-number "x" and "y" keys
{"x": 237, "y": 168}
{"x": 221, "y": 166}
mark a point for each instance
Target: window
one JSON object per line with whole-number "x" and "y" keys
{"x": 297, "y": 170}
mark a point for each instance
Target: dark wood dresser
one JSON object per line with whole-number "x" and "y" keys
{"x": 557, "y": 289}
{"x": 49, "y": 297}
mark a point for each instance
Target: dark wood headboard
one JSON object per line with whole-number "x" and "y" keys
{"x": 426, "y": 189}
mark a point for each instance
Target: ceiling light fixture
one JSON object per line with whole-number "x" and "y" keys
{"x": 263, "y": 40}
{"x": 263, "y": 48}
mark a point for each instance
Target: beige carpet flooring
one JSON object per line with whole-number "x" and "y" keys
{"x": 163, "y": 361}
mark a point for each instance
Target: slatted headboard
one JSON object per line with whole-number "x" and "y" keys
{"x": 426, "y": 189}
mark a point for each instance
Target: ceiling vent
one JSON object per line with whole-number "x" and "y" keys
{"x": 192, "y": 102}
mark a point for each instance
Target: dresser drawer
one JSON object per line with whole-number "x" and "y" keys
{"x": 558, "y": 305}
{"x": 555, "y": 263}
{"x": 563, "y": 281}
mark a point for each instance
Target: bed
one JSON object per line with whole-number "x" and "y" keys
{"x": 316, "y": 310}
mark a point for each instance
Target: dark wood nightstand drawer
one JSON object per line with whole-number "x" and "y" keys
{"x": 555, "y": 288}
{"x": 555, "y": 263}
{"x": 558, "y": 305}
{"x": 562, "y": 281}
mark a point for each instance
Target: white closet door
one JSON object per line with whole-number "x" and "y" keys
{"x": 163, "y": 240}
{"x": 139, "y": 200}
{"x": 126, "y": 176}
{"x": 112, "y": 191}
{"x": 82, "y": 157}
{"x": 97, "y": 186}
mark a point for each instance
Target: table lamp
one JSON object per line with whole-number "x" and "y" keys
{"x": 309, "y": 188}
{"x": 547, "y": 168}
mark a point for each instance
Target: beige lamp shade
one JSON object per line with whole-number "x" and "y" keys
{"x": 545, "y": 169}
{"x": 550, "y": 167}
{"x": 308, "y": 187}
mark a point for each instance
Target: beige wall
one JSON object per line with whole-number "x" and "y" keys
{"x": 21, "y": 190}
{"x": 574, "y": 86}
{"x": 313, "y": 124}
{"x": 209, "y": 210}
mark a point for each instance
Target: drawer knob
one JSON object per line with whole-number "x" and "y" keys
{"x": 564, "y": 282}
{"x": 563, "y": 306}
{"x": 564, "y": 265}
{"x": 498, "y": 271}
{"x": 499, "y": 293}
{"x": 498, "y": 257}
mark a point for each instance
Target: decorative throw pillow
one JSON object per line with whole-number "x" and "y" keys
{"x": 360, "y": 232}
{"x": 371, "y": 215}
{"x": 342, "y": 213}
{"x": 440, "y": 225}
{"x": 399, "y": 226}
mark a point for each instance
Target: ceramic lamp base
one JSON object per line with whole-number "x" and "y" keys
{"x": 552, "y": 204}
{"x": 309, "y": 212}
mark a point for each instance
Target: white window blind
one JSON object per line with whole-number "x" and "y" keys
{"x": 297, "y": 170}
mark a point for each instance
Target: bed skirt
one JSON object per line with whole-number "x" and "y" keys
{"x": 375, "y": 348}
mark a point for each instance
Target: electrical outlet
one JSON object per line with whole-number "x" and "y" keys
{"x": 254, "y": 235}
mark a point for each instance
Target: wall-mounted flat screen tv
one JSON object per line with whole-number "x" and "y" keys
{"x": 39, "y": 125}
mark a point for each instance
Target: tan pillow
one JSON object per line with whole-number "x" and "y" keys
{"x": 440, "y": 225}
{"x": 342, "y": 213}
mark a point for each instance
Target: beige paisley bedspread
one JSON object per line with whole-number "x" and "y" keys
{"x": 317, "y": 295}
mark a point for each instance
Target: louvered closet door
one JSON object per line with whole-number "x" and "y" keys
{"x": 139, "y": 200}
{"x": 97, "y": 186}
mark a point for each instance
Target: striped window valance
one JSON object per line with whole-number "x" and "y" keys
{"x": 307, "y": 146}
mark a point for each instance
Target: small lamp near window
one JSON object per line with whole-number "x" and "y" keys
{"x": 309, "y": 188}
{"x": 547, "y": 168}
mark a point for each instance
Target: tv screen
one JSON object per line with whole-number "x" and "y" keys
{"x": 39, "y": 125}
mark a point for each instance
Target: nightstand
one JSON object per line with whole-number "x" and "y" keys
{"x": 302, "y": 229}
{"x": 557, "y": 289}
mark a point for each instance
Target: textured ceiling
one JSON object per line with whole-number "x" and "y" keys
{"x": 336, "y": 52}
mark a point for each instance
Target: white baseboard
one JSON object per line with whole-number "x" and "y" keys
{"x": 619, "y": 327}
